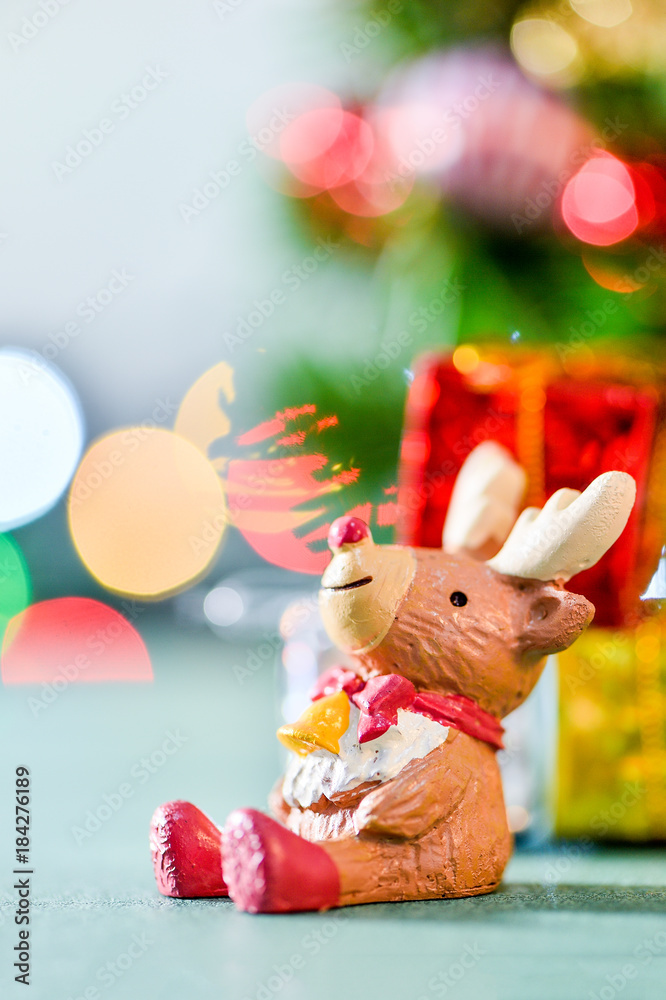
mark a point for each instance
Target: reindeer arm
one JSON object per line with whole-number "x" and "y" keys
{"x": 426, "y": 791}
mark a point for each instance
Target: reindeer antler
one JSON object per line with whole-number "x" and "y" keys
{"x": 570, "y": 533}
{"x": 485, "y": 500}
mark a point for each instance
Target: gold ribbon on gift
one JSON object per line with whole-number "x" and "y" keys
{"x": 532, "y": 382}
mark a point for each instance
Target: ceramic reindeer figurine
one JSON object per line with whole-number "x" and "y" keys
{"x": 393, "y": 791}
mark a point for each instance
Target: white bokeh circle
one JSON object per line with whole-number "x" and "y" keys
{"x": 41, "y": 436}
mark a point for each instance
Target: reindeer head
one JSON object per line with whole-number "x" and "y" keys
{"x": 455, "y": 624}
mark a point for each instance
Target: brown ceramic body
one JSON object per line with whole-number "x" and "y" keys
{"x": 454, "y": 626}
{"x": 436, "y": 829}
{"x": 439, "y": 827}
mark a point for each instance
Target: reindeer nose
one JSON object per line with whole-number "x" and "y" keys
{"x": 347, "y": 531}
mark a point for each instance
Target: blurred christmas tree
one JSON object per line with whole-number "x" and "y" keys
{"x": 505, "y": 179}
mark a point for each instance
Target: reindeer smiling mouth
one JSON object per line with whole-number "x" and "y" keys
{"x": 353, "y": 585}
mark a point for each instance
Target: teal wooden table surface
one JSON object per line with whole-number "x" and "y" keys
{"x": 568, "y": 922}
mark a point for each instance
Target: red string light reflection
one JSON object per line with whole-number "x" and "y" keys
{"x": 327, "y": 147}
{"x": 272, "y": 501}
{"x": 599, "y": 202}
{"x": 273, "y": 112}
{"x": 281, "y": 484}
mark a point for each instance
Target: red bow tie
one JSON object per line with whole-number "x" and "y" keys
{"x": 380, "y": 698}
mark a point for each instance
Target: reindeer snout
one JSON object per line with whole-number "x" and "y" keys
{"x": 347, "y": 531}
{"x": 362, "y": 585}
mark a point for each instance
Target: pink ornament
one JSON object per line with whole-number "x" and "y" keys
{"x": 488, "y": 137}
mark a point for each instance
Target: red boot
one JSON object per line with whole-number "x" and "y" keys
{"x": 271, "y": 870}
{"x": 187, "y": 855}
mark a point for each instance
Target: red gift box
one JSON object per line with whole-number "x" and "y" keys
{"x": 564, "y": 427}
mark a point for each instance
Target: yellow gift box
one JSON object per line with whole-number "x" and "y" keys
{"x": 611, "y": 773}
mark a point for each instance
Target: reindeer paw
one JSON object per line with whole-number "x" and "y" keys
{"x": 271, "y": 870}
{"x": 186, "y": 850}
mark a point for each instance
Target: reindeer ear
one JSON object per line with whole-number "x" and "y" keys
{"x": 552, "y": 619}
{"x": 485, "y": 501}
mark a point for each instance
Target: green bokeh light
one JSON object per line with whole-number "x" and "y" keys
{"x": 15, "y": 588}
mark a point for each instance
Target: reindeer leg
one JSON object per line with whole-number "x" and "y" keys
{"x": 269, "y": 869}
{"x": 186, "y": 851}
{"x": 412, "y": 837}
{"x": 377, "y": 871}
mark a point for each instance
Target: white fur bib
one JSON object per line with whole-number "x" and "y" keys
{"x": 324, "y": 773}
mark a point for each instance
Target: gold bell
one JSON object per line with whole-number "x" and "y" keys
{"x": 320, "y": 726}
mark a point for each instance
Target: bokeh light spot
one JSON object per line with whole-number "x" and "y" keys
{"x": 223, "y": 606}
{"x": 274, "y": 111}
{"x": 343, "y": 156}
{"x": 543, "y": 47}
{"x": 599, "y": 202}
{"x": 610, "y": 277}
{"x": 386, "y": 180}
{"x": 146, "y": 511}
{"x": 71, "y": 640}
{"x": 603, "y": 13}
{"x": 327, "y": 147}
{"x": 311, "y": 135}
{"x": 41, "y": 436}
{"x": 373, "y": 195}
{"x": 420, "y": 137}
{"x": 299, "y": 658}
{"x": 201, "y": 417}
{"x": 14, "y": 581}
{"x": 465, "y": 359}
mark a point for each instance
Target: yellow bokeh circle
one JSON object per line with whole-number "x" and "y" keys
{"x": 201, "y": 418}
{"x": 147, "y": 511}
{"x": 465, "y": 359}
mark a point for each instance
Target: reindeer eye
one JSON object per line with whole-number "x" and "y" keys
{"x": 458, "y": 599}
